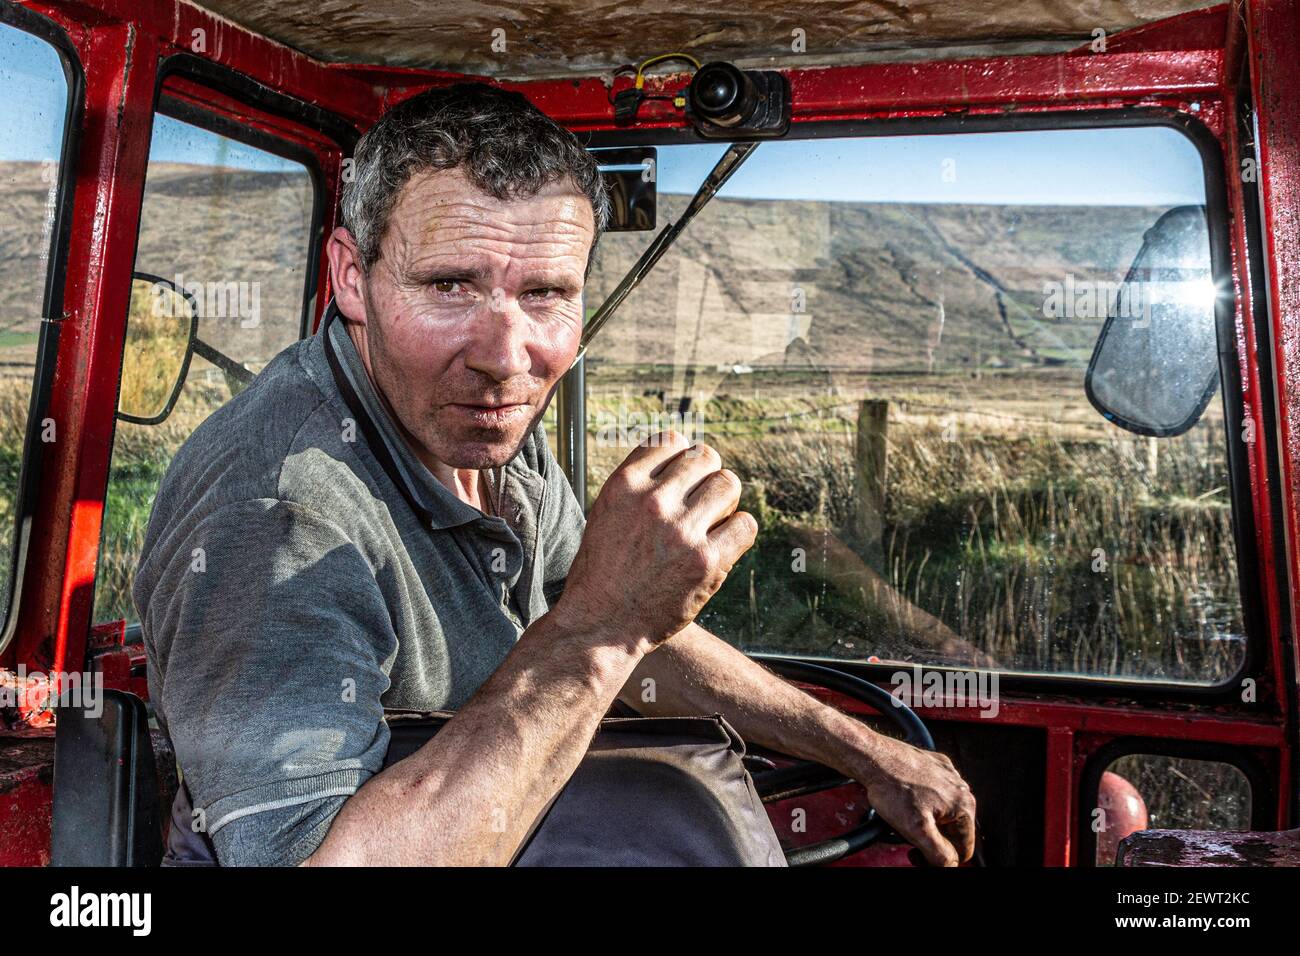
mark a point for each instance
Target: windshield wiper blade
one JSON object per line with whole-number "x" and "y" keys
{"x": 731, "y": 160}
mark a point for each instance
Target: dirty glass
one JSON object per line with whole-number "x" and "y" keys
{"x": 887, "y": 339}
{"x": 229, "y": 224}
{"x": 35, "y": 92}
{"x": 1157, "y": 792}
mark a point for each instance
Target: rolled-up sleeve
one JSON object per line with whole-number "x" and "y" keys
{"x": 269, "y": 644}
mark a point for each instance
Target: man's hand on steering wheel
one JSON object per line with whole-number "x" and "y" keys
{"x": 666, "y": 520}
{"x": 922, "y": 796}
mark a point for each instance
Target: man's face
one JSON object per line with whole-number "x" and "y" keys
{"x": 472, "y": 313}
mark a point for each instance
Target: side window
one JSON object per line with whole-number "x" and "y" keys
{"x": 220, "y": 273}
{"x": 920, "y": 353}
{"x": 1158, "y": 792}
{"x": 32, "y": 124}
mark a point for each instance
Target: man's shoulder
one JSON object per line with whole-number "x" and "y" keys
{"x": 240, "y": 448}
{"x": 284, "y": 438}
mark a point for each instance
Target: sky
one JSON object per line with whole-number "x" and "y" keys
{"x": 35, "y": 93}
{"x": 35, "y": 96}
{"x": 1115, "y": 166}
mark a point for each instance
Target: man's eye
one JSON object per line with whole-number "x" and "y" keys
{"x": 446, "y": 286}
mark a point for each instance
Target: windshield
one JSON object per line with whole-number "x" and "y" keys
{"x": 887, "y": 338}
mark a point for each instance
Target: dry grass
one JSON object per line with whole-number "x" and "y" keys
{"x": 1042, "y": 549}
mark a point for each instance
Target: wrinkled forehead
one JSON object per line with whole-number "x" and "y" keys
{"x": 440, "y": 211}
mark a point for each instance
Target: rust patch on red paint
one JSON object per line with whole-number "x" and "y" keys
{"x": 26, "y": 797}
{"x": 24, "y": 759}
{"x": 1210, "y": 848}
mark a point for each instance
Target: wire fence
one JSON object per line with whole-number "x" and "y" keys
{"x": 903, "y": 405}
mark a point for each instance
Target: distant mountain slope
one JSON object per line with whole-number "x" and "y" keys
{"x": 212, "y": 226}
{"x": 878, "y": 280}
{"x": 885, "y": 286}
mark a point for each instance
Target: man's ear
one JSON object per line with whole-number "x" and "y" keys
{"x": 347, "y": 278}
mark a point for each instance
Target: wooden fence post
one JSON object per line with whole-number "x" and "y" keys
{"x": 869, "y": 476}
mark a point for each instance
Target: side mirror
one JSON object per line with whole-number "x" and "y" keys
{"x": 629, "y": 173}
{"x": 160, "y": 333}
{"x": 1156, "y": 363}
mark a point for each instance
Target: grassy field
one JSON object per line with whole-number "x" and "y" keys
{"x": 1002, "y": 494}
{"x": 1009, "y": 539}
{"x": 988, "y": 554}
{"x": 993, "y": 530}
{"x": 15, "y": 394}
{"x": 141, "y": 454}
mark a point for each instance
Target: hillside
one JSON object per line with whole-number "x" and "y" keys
{"x": 886, "y": 287}
{"x": 212, "y": 226}
{"x": 883, "y": 284}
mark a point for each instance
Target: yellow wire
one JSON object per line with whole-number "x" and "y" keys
{"x": 640, "y": 79}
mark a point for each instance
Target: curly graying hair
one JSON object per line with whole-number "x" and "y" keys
{"x": 505, "y": 146}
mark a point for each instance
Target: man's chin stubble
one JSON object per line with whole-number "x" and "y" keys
{"x": 480, "y": 449}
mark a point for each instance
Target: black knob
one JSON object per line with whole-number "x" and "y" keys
{"x": 722, "y": 93}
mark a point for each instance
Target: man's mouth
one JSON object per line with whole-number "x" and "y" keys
{"x": 490, "y": 414}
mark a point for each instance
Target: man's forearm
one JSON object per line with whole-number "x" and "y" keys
{"x": 470, "y": 795}
{"x": 698, "y": 673}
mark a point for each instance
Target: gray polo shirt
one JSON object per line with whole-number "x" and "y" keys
{"x": 303, "y": 572}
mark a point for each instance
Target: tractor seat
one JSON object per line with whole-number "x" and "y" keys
{"x": 114, "y": 782}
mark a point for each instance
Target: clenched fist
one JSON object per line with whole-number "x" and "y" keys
{"x": 659, "y": 542}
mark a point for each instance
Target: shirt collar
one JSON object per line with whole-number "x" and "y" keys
{"x": 437, "y": 507}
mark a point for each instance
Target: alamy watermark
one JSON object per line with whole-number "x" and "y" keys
{"x": 1088, "y": 299}
{"x": 39, "y": 690}
{"x": 128, "y": 910}
{"x": 1133, "y": 298}
{"x": 212, "y": 300}
{"x": 935, "y": 688}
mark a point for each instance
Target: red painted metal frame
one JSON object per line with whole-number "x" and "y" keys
{"x": 1273, "y": 50}
{"x": 1179, "y": 64}
{"x": 1255, "y": 392}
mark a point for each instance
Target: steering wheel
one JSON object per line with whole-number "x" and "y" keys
{"x": 806, "y": 777}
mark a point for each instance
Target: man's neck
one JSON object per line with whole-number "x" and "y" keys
{"x": 470, "y": 486}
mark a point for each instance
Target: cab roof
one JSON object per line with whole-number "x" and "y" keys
{"x": 553, "y": 38}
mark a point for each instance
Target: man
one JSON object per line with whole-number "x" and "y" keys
{"x": 377, "y": 523}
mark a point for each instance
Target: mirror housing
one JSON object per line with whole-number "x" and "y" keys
{"x": 629, "y": 173}
{"x": 1155, "y": 366}
{"x": 160, "y": 331}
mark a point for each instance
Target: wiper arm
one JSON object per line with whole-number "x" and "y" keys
{"x": 731, "y": 160}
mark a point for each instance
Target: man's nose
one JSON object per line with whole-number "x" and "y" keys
{"x": 500, "y": 339}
